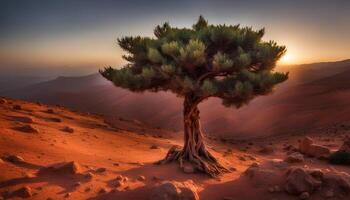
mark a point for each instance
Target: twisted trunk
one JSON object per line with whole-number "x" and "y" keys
{"x": 194, "y": 150}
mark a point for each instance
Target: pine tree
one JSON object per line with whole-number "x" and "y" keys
{"x": 225, "y": 61}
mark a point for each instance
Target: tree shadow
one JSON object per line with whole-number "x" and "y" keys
{"x": 154, "y": 174}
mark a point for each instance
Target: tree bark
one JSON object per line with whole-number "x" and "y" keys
{"x": 194, "y": 150}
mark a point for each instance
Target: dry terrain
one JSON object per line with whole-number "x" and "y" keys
{"x": 50, "y": 152}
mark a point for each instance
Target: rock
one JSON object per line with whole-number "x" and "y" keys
{"x": 278, "y": 163}
{"x": 141, "y": 178}
{"x": 298, "y": 180}
{"x": 67, "y": 195}
{"x": 3, "y": 101}
{"x": 17, "y": 107}
{"x": 77, "y": 184}
{"x": 101, "y": 170}
{"x": 51, "y": 111}
{"x": 294, "y": 158}
{"x": 307, "y": 147}
{"x": 266, "y": 150}
{"x": 346, "y": 145}
{"x": 102, "y": 191}
{"x": 23, "y": 119}
{"x": 337, "y": 182}
{"x": 120, "y": 178}
{"x": 173, "y": 190}
{"x": 55, "y": 119}
{"x": 304, "y": 195}
{"x": 63, "y": 168}
{"x": 24, "y": 192}
{"x": 87, "y": 189}
{"x": 154, "y": 147}
{"x": 14, "y": 159}
{"x": 68, "y": 129}
{"x": 28, "y": 129}
{"x": 89, "y": 175}
{"x": 119, "y": 183}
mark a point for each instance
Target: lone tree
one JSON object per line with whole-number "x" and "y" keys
{"x": 229, "y": 62}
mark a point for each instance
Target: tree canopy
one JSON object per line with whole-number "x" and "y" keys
{"x": 231, "y": 62}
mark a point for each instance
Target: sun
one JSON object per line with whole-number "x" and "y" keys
{"x": 286, "y": 59}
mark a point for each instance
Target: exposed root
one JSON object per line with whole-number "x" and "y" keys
{"x": 205, "y": 163}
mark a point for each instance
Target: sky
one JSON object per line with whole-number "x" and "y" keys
{"x": 61, "y": 37}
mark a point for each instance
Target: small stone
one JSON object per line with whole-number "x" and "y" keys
{"x": 28, "y": 129}
{"x": 55, "y": 119}
{"x": 3, "y": 101}
{"x": 255, "y": 164}
{"x": 232, "y": 169}
{"x": 304, "y": 195}
{"x": 119, "y": 183}
{"x": 23, "y": 119}
{"x": 154, "y": 147}
{"x": 17, "y": 107}
{"x": 266, "y": 150}
{"x": 101, "y": 170}
{"x": 295, "y": 157}
{"x": 125, "y": 179}
{"x": 24, "y": 192}
{"x": 77, "y": 184}
{"x": 51, "y": 111}
{"x": 14, "y": 159}
{"x": 116, "y": 164}
{"x": 102, "y": 191}
{"x": 87, "y": 189}
{"x": 67, "y": 195}
{"x": 89, "y": 175}
{"x": 141, "y": 178}
{"x": 68, "y": 129}
{"x": 120, "y": 178}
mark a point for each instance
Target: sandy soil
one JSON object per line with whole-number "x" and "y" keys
{"x": 124, "y": 148}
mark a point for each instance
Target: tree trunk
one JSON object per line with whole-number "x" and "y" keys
{"x": 194, "y": 150}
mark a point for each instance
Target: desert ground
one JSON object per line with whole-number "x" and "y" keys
{"x": 51, "y": 152}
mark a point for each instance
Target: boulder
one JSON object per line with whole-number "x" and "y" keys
{"x": 337, "y": 182}
{"x": 307, "y": 147}
{"x": 70, "y": 168}
{"x": 173, "y": 190}
{"x": 294, "y": 158}
{"x": 298, "y": 180}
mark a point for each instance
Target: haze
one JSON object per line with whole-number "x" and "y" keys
{"x": 79, "y": 37}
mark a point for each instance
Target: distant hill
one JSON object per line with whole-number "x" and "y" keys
{"x": 316, "y": 95}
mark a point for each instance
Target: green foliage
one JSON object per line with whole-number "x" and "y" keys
{"x": 221, "y": 62}
{"x": 226, "y": 61}
{"x": 340, "y": 158}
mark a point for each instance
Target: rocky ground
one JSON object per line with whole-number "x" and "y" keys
{"x": 49, "y": 152}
